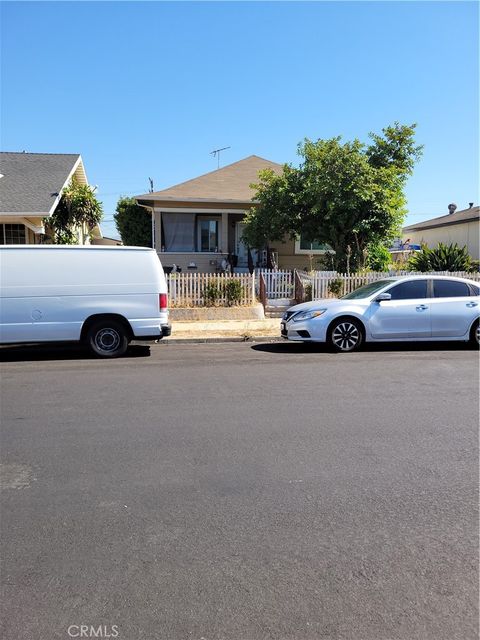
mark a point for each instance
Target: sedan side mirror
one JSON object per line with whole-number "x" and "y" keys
{"x": 383, "y": 296}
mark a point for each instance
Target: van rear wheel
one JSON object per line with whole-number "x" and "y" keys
{"x": 108, "y": 339}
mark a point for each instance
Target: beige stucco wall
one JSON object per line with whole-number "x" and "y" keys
{"x": 182, "y": 260}
{"x": 467, "y": 233}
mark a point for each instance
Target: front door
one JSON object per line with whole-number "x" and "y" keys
{"x": 240, "y": 247}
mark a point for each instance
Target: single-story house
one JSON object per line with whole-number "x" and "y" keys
{"x": 31, "y": 186}
{"x": 460, "y": 227}
{"x": 198, "y": 223}
{"x": 105, "y": 241}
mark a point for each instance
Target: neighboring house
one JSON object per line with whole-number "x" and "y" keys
{"x": 113, "y": 242}
{"x": 31, "y": 186}
{"x": 460, "y": 227}
{"x": 199, "y": 222}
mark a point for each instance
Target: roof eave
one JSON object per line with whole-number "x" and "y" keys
{"x": 440, "y": 224}
{"x": 78, "y": 165}
{"x": 149, "y": 198}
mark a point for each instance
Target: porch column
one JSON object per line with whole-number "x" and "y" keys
{"x": 224, "y": 233}
{"x": 157, "y": 216}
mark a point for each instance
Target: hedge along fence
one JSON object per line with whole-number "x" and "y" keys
{"x": 210, "y": 289}
{"x": 335, "y": 285}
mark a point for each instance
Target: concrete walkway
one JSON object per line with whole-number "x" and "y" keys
{"x": 225, "y": 330}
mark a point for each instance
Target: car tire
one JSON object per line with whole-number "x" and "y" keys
{"x": 108, "y": 339}
{"x": 345, "y": 335}
{"x": 475, "y": 335}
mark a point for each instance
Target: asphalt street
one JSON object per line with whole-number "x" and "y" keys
{"x": 240, "y": 492}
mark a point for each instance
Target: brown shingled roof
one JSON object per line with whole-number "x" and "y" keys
{"x": 228, "y": 184}
{"x": 473, "y": 213}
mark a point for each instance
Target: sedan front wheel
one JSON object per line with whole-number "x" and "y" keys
{"x": 346, "y": 334}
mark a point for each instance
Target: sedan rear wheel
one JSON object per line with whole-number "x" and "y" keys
{"x": 475, "y": 335}
{"x": 346, "y": 335}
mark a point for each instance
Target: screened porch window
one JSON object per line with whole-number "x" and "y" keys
{"x": 178, "y": 231}
{"x": 12, "y": 234}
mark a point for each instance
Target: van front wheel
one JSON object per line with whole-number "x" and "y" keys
{"x": 108, "y": 339}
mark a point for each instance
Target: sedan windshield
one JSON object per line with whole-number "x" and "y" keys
{"x": 367, "y": 290}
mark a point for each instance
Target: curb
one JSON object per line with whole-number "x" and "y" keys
{"x": 166, "y": 341}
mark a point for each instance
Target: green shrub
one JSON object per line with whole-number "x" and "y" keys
{"x": 442, "y": 258}
{"x": 379, "y": 258}
{"x": 211, "y": 293}
{"x": 308, "y": 290}
{"x": 233, "y": 291}
{"x": 474, "y": 266}
{"x": 335, "y": 287}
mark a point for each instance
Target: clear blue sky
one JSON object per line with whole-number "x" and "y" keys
{"x": 149, "y": 89}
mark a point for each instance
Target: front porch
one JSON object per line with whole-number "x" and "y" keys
{"x": 202, "y": 240}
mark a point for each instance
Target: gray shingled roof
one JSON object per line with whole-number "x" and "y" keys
{"x": 32, "y": 181}
{"x": 473, "y": 213}
{"x": 228, "y": 184}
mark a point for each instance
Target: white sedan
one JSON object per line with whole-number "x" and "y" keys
{"x": 405, "y": 308}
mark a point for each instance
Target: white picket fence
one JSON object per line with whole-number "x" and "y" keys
{"x": 188, "y": 289}
{"x": 279, "y": 284}
{"x": 321, "y": 281}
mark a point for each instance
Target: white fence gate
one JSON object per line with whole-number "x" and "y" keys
{"x": 279, "y": 284}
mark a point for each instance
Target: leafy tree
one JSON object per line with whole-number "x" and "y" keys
{"x": 378, "y": 257}
{"x": 347, "y": 195}
{"x": 78, "y": 208}
{"x": 134, "y": 223}
{"x": 442, "y": 258}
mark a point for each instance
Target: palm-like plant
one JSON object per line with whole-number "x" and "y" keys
{"x": 443, "y": 258}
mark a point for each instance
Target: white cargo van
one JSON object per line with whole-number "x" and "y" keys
{"x": 101, "y": 296}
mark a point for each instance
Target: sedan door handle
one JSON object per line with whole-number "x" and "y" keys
{"x": 472, "y": 304}
{"x": 422, "y": 307}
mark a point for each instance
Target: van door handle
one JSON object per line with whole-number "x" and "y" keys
{"x": 422, "y": 307}
{"x": 472, "y": 304}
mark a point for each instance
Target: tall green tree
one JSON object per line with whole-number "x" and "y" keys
{"x": 77, "y": 210}
{"x": 345, "y": 194}
{"x": 134, "y": 223}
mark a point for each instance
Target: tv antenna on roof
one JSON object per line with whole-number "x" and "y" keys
{"x": 216, "y": 153}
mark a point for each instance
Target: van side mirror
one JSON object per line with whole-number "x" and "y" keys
{"x": 383, "y": 296}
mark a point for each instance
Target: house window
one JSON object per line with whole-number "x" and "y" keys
{"x": 302, "y": 245}
{"x": 208, "y": 238}
{"x": 178, "y": 232}
{"x": 12, "y": 234}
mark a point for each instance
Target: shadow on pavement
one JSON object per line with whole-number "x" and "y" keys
{"x": 310, "y": 347}
{"x": 64, "y": 351}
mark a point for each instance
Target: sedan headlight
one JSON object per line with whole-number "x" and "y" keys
{"x": 308, "y": 315}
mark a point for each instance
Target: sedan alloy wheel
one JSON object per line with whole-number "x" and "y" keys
{"x": 346, "y": 335}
